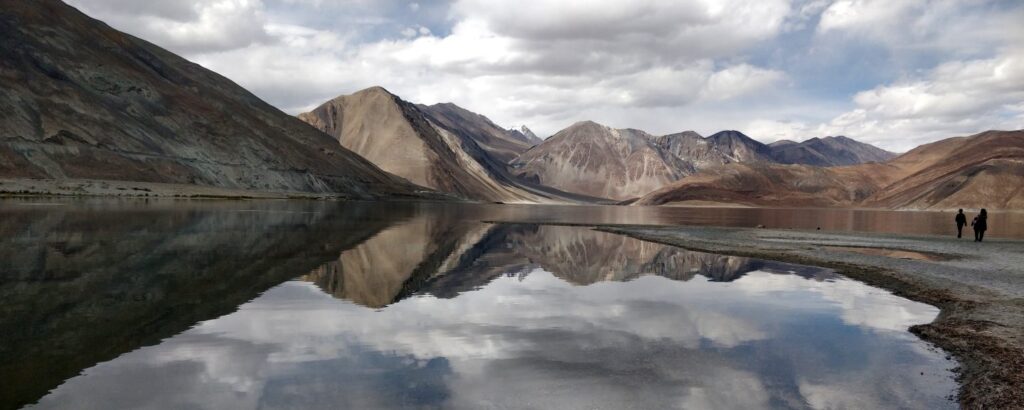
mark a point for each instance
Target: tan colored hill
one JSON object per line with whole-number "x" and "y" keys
{"x": 984, "y": 170}
{"x": 981, "y": 171}
{"x": 82, "y": 101}
{"x": 596, "y": 160}
{"x": 400, "y": 138}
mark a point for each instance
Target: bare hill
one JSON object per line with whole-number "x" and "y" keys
{"x": 81, "y": 100}
{"x": 983, "y": 170}
{"x": 827, "y": 152}
{"x": 596, "y": 160}
{"x": 400, "y": 137}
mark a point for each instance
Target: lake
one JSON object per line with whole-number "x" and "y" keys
{"x": 303, "y": 304}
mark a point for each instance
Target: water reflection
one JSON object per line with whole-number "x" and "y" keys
{"x": 408, "y": 305}
{"x": 446, "y": 257}
{"x": 81, "y": 284}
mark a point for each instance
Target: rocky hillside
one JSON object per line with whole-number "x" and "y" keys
{"x": 527, "y": 135}
{"x": 445, "y": 148}
{"x": 622, "y": 164}
{"x": 769, "y": 184}
{"x": 503, "y": 145}
{"x": 981, "y": 171}
{"x": 596, "y": 160}
{"x": 827, "y": 152}
{"x": 83, "y": 101}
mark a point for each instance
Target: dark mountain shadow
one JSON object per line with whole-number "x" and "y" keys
{"x": 87, "y": 284}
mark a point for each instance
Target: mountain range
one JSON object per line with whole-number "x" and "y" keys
{"x": 980, "y": 171}
{"x": 86, "y": 107}
{"x": 443, "y": 146}
{"x": 624, "y": 164}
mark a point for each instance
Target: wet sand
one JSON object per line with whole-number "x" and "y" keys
{"x": 979, "y": 288}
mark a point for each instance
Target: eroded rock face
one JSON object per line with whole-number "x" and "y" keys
{"x": 620, "y": 164}
{"x": 593, "y": 159}
{"x": 81, "y": 100}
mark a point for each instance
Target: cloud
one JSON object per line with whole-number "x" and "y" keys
{"x": 957, "y": 97}
{"x": 187, "y": 26}
{"x": 874, "y": 70}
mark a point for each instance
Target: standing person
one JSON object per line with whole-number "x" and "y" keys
{"x": 980, "y": 225}
{"x": 961, "y": 220}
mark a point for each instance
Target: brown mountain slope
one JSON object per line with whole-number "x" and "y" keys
{"x": 401, "y": 138}
{"x": 398, "y": 137}
{"x": 502, "y": 144}
{"x": 83, "y": 101}
{"x": 596, "y": 160}
{"x": 981, "y": 171}
{"x": 764, "y": 184}
{"x": 984, "y": 170}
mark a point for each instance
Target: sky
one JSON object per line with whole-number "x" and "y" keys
{"x": 894, "y": 73}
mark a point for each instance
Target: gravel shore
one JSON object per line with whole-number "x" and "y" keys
{"x": 979, "y": 288}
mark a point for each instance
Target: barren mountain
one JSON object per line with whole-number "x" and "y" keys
{"x": 984, "y": 170}
{"x": 691, "y": 152}
{"x": 525, "y": 134}
{"x": 827, "y": 152}
{"x": 81, "y": 100}
{"x": 766, "y": 184}
{"x": 623, "y": 164}
{"x": 446, "y": 155}
{"x": 981, "y": 171}
{"x": 502, "y": 144}
{"x": 596, "y": 160}
{"x": 398, "y": 137}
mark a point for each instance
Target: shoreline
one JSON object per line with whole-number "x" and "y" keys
{"x": 979, "y": 289}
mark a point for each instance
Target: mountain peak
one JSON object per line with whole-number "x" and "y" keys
{"x": 586, "y": 123}
{"x": 375, "y": 90}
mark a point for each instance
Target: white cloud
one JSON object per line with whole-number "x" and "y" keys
{"x": 957, "y": 97}
{"x": 663, "y": 66}
{"x": 186, "y": 26}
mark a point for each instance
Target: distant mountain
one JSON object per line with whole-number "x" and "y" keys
{"x": 596, "y": 160}
{"x": 621, "y": 164}
{"x": 525, "y": 134}
{"x": 442, "y": 147}
{"x": 983, "y": 170}
{"x": 768, "y": 184}
{"x": 827, "y": 152}
{"x": 82, "y": 101}
{"x": 693, "y": 152}
{"x": 502, "y": 144}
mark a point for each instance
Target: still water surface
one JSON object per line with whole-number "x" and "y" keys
{"x": 356, "y": 305}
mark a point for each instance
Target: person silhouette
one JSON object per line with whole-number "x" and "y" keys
{"x": 980, "y": 225}
{"x": 961, "y": 220}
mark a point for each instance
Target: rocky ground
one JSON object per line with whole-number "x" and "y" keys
{"x": 979, "y": 288}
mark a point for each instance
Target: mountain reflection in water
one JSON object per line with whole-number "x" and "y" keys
{"x": 358, "y": 305}
{"x": 427, "y": 255}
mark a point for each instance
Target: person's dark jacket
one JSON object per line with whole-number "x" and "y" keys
{"x": 981, "y": 223}
{"x": 961, "y": 219}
